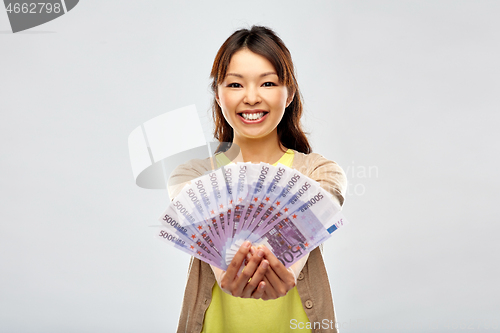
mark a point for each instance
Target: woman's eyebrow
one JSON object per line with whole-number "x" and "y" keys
{"x": 261, "y": 75}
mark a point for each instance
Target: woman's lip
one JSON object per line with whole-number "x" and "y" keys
{"x": 253, "y": 121}
{"x": 253, "y": 111}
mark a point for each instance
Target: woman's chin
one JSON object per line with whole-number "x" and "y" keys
{"x": 255, "y": 134}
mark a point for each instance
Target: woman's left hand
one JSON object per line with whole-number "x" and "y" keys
{"x": 278, "y": 279}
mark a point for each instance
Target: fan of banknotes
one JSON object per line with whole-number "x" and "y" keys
{"x": 275, "y": 206}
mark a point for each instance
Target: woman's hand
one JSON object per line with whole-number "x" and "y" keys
{"x": 278, "y": 279}
{"x": 256, "y": 268}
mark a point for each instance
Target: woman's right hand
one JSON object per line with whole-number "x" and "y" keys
{"x": 255, "y": 269}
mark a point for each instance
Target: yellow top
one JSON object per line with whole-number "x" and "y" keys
{"x": 233, "y": 314}
{"x": 286, "y": 159}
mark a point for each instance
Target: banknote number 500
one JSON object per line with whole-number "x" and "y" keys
{"x": 289, "y": 257}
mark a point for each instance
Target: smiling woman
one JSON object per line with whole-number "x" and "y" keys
{"x": 257, "y": 107}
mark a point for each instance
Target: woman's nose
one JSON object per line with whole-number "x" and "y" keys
{"x": 252, "y": 96}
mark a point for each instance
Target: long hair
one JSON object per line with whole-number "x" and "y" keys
{"x": 262, "y": 41}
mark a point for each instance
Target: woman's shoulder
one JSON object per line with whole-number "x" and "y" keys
{"x": 326, "y": 172}
{"x": 312, "y": 161}
{"x": 309, "y": 158}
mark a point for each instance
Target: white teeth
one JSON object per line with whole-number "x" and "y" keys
{"x": 252, "y": 116}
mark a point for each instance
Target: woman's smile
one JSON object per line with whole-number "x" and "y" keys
{"x": 253, "y": 116}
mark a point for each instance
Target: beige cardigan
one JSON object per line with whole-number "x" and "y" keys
{"x": 312, "y": 282}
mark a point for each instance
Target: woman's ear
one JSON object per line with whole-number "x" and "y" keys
{"x": 217, "y": 98}
{"x": 291, "y": 95}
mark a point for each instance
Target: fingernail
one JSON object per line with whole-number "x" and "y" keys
{"x": 265, "y": 264}
{"x": 252, "y": 250}
{"x": 246, "y": 244}
{"x": 249, "y": 256}
{"x": 260, "y": 253}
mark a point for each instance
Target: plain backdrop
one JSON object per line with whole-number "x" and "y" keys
{"x": 404, "y": 95}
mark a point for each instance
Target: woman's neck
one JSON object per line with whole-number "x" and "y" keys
{"x": 267, "y": 149}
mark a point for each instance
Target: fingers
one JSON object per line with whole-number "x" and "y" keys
{"x": 263, "y": 276}
{"x": 259, "y": 291}
{"x": 248, "y": 272}
{"x": 228, "y": 278}
{"x": 278, "y": 287}
{"x": 235, "y": 264}
{"x": 280, "y": 278}
{"x": 269, "y": 292}
{"x": 274, "y": 262}
{"x": 239, "y": 285}
{"x": 255, "y": 288}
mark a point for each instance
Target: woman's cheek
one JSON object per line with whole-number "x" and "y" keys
{"x": 277, "y": 98}
{"x": 229, "y": 101}
{"x": 230, "y": 116}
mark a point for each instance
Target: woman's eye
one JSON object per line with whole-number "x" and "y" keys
{"x": 269, "y": 84}
{"x": 234, "y": 85}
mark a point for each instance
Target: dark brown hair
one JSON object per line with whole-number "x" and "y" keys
{"x": 262, "y": 41}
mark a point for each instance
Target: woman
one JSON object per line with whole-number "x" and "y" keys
{"x": 257, "y": 107}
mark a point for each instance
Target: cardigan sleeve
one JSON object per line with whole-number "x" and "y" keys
{"x": 183, "y": 174}
{"x": 330, "y": 176}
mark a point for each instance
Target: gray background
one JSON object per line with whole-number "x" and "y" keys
{"x": 408, "y": 88}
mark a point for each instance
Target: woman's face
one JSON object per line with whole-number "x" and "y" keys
{"x": 251, "y": 97}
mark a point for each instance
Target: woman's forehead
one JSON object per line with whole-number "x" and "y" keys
{"x": 247, "y": 63}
